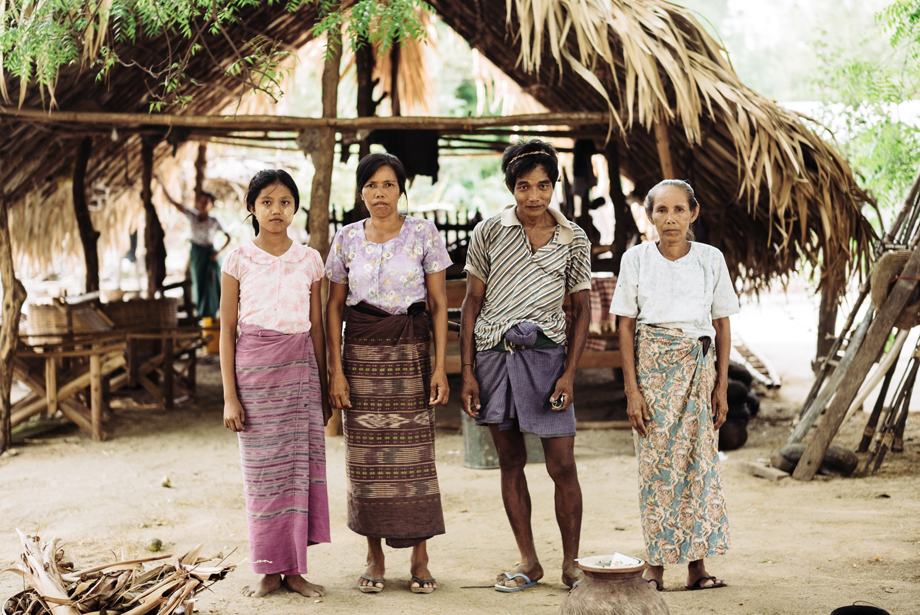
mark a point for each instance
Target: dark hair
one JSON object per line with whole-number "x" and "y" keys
{"x": 650, "y": 197}
{"x": 522, "y": 158}
{"x": 263, "y": 179}
{"x": 210, "y": 196}
{"x": 371, "y": 163}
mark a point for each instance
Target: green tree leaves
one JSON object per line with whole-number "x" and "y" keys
{"x": 41, "y": 38}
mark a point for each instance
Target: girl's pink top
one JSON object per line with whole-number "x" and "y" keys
{"x": 275, "y": 290}
{"x": 391, "y": 275}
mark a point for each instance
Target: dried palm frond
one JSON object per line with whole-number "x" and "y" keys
{"x": 55, "y": 588}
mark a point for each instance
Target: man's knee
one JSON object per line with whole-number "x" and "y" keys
{"x": 512, "y": 460}
{"x": 562, "y": 471}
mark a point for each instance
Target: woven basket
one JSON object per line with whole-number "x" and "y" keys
{"x": 143, "y": 313}
{"x": 47, "y": 319}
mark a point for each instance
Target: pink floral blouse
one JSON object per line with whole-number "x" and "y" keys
{"x": 275, "y": 290}
{"x": 391, "y": 275}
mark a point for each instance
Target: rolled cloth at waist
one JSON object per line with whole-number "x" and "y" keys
{"x": 515, "y": 386}
{"x": 392, "y": 488}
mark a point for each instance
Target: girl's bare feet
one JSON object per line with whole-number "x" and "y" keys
{"x": 267, "y": 584}
{"x": 297, "y": 583}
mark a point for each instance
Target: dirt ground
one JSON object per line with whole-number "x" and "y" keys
{"x": 797, "y": 547}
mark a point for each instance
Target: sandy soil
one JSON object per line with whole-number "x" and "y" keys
{"x": 797, "y": 547}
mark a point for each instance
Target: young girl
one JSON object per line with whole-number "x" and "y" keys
{"x": 274, "y": 380}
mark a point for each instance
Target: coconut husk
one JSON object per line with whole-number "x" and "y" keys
{"x": 888, "y": 268}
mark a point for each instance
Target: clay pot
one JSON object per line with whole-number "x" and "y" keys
{"x": 613, "y": 591}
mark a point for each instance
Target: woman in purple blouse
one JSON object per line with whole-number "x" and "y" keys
{"x": 385, "y": 268}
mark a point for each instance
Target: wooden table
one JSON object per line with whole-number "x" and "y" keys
{"x": 95, "y": 357}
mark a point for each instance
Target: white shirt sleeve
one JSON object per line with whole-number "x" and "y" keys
{"x": 625, "y": 300}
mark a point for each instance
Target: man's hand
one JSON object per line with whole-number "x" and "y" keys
{"x": 469, "y": 392}
{"x": 565, "y": 387}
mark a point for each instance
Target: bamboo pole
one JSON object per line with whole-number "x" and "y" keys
{"x": 296, "y": 123}
{"x": 624, "y": 223}
{"x": 89, "y": 237}
{"x": 14, "y": 295}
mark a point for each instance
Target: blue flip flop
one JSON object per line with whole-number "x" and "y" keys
{"x": 509, "y": 576}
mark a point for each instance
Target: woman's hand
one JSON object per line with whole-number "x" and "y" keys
{"x": 439, "y": 389}
{"x": 327, "y": 411}
{"x": 638, "y": 412}
{"x": 469, "y": 393}
{"x": 234, "y": 415}
{"x": 719, "y": 405}
{"x": 339, "y": 391}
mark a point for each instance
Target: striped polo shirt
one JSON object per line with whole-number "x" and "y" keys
{"x": 522, "y": 286}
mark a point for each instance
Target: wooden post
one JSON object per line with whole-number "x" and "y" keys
{"x": 366, "y": 107}
{"x": 868, "y": 352}
{"x": 169, "y": 395}
{"x": 88, "y": 235}
{"x": 322, "y": 179}
{"x": 395, "y": 52}
{"x": 325, "y": 154}
{"x": 827, "y": 318}
{"x": 154, "y": 237}
{"x": 664, "y": 149}
{"x": 14, "y": 295}
{"x": 51, "y": 392}
{"x": 201, "y": 163}
{"x": 95, "y": 379}
{"x": 625, "y": 225}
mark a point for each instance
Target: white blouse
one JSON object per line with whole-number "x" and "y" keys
{"x": 686, "y": 294}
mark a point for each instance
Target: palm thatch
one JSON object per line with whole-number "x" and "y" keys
{"x": 772, "y": 192}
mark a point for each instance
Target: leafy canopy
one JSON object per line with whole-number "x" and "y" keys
{"x": 864, "y": 99}
{"x": 39, "y": 39}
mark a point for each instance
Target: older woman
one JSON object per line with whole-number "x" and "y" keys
{"x": 385, "y": 268}
{"x": 674, "y": 298}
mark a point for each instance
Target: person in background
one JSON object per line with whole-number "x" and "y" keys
{"x": 517, "y": 365}
{"x": 204, "y": 259}
{"x": 674, "y": 298}
{"x": 274, "y": 378}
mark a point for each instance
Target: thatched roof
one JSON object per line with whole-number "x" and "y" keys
{"x": 771, "y": 191}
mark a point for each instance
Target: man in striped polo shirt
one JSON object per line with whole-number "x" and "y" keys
{"x": 518, "y": 368}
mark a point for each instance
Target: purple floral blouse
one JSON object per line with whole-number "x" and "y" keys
{"x": 390, "y": 275}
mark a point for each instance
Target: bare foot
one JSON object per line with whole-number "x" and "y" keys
{"x": 297, "y": 583}
{"x": 267, "y": 584}
{"x": 534, "y": 573}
